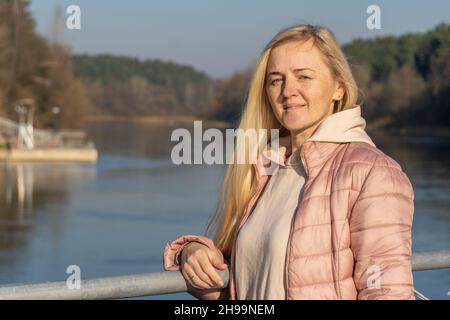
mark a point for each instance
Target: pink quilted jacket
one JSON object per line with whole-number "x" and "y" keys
{"x": 351, "y": 236}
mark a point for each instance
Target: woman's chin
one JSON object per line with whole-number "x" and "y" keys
{"x": 294, "y": 125}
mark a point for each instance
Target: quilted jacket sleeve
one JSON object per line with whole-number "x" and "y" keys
{"x": 380, "y": 226}
{"x": 171, "y": 256}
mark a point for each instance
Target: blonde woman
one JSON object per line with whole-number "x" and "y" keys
{"x": 334, "y": 220}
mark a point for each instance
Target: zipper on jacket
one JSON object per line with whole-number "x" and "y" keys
{"x": 286, "y": 267}
{"x": 286, "y": 270}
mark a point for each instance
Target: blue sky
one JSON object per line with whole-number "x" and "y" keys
{"x": 218, "y": 36}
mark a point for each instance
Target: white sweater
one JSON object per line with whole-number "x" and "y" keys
{"x": 260, "y": 268}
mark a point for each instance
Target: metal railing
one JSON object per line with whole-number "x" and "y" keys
{"x": 11, "y": 127}
{"x": 156, "y": 283}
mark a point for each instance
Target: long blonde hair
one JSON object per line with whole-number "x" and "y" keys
{"x": 240, "y": 180}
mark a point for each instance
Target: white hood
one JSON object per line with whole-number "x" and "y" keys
{"x": 341, "y": 127}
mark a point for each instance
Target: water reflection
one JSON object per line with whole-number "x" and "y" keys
{"x": 133, "y": 139}
{"x": 18, "y": 182}
{"x": 26, "y": 188}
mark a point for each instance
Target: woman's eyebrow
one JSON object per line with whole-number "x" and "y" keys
{"x": 277, "y": 73}
{"x": 274, "y": 73}
{"x": 303, "y": 69}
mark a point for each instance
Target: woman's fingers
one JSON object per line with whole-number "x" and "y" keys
{"x": 207, "y": 265}
{"x": 194, "y": 280}
{"x": 197, "y": 266}
{"x": 213, "y": 274}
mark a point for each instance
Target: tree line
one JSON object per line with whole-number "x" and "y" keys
{"x": 32, "y": 67}
{"x": 124, "y": 86}
{"x": 403, "y": 80}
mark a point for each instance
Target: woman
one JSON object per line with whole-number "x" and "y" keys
{"x": 334, "y": 221}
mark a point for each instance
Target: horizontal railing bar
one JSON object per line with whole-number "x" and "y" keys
{"x": 156, "y": 283}
{"x": 430, "y": 260}
{"x": 117, "y": 287}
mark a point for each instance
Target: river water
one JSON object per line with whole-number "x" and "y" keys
{"x": 114, "y": 217}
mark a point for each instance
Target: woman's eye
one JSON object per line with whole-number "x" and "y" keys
{"x": 275, "y": 82}
{"x": 304, "y": 77}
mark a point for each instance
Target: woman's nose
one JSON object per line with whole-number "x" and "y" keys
{"x": 290, "y": 88}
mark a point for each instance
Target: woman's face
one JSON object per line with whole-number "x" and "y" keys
{"x": 300, "y": 86}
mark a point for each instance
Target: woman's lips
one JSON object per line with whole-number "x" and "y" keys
{"x": 293, "y": 106}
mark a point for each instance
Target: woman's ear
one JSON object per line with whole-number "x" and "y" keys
{"x": 339, "y": 91}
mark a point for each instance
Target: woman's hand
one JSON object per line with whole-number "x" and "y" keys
{"x": 198, "y": 263}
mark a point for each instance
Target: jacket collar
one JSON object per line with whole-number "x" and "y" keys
{"x": 338, "y": 128}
